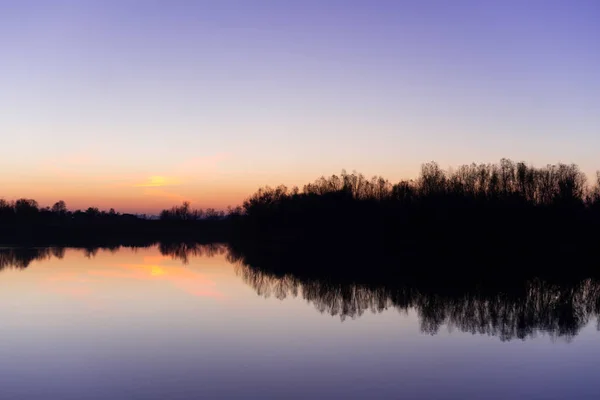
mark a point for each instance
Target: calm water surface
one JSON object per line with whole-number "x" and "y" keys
{"x": 137, "y": 324}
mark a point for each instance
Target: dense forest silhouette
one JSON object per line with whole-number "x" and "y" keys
{"x": 519, "y": 308}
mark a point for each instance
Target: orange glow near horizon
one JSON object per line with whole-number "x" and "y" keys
{"x": 215, "y": 181}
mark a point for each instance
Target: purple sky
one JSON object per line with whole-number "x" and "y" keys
{"x": 141, "y": 104}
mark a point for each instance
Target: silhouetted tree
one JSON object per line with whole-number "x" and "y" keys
{"x": 26, "y": 208}
{"x": 59, "y": 208}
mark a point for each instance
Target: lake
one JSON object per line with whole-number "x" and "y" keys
{"x": 145, "y": 323}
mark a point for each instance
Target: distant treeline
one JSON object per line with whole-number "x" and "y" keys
{"x": 28, "y": 210}
{"x": 24, "y": 222}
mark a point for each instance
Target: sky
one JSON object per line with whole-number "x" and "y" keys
{"x": 140, "y": 105}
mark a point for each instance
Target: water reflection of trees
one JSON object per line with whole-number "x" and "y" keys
{"x": 22, "y": 257}
{"x": 512, "y": 309}
{"x": 183, "y": 251}
{"x": 528, "y": 308}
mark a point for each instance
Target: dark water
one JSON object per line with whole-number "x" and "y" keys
{"x": 137, "y": 324}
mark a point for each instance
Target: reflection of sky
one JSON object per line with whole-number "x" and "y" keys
{"x": 90, "y": 282}
{"x": 140, "y": 325}
{"x": 113, "y": 103}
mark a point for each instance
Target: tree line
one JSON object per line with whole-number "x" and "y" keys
{"x": 507, "y": 184}
{"x": 23, "y": 221}
{"x": 26, "y": 210}
{"x": 185, "y": 212}
{"x": 476, "y": 201}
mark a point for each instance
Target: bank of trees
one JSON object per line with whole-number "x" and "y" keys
{"x": 508, "y": 205}
{"x": 507, "y": 184}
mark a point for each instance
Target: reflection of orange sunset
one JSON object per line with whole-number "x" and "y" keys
{"x": 83, "y": 278}
{"x": 191, "y": 282}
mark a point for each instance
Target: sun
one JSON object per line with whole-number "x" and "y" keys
{"x": 154, "y": 181}
{"x": 157, "y": 180}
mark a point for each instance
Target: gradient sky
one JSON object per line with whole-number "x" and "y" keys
{"x": 139, "y": 105}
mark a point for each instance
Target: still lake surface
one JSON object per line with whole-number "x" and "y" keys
{"x": 139, "y": 324}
